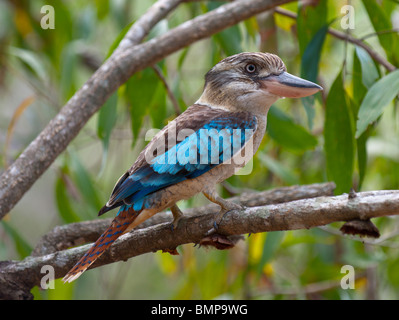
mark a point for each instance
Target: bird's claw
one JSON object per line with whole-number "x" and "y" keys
{"x": 225, "y": 209}
{"x": 175, "y": 223}
{"x": 177, "y": 215}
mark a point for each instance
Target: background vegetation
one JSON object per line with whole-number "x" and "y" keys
{"x": 347, "y": 134}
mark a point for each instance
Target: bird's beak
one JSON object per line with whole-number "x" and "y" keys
{"x": 287, "y": 85}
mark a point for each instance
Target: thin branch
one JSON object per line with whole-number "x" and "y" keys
{"x": 171, "y": 96}
{"x": 127, "y": 59}
{"x": 377, "y": 33}
{"x": 142, "y": 27}
{"x": 347, "y": 37}
{"x": 17, "y": 278}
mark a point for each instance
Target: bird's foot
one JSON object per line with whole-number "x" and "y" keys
{"x": 177, "y": 215}
{"x": 226, "y": 207}
{"x": 175, "y": 223}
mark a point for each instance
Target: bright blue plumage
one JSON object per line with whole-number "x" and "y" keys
{"x": 213, "y": 143}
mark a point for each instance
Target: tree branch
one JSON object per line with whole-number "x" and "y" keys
{"x": 54, "y": 139}
{"x": 171, "y": 96}
{"x": 74, "y": 234}
{"x": 347, "y": 37}
{"x": 17, "y": 278}
{"x": 127, "y": 59}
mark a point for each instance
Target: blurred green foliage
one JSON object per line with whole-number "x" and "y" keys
{"x": 348, "y": 134}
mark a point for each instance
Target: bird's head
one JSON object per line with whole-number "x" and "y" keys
{"x": 252, "y": 81}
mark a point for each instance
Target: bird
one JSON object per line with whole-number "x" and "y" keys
{"x": 203, "y": 146}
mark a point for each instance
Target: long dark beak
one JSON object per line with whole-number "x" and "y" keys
{"x": 287, "y": 85}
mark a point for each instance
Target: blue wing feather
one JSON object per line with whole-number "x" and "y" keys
{"x": 195, "y": 155}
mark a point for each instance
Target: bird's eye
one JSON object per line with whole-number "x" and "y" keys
{"x": 251, "y": 68}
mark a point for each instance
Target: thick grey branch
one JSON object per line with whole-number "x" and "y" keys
{"x": 126, "y": 60}
{"x": 299, "y": 214}
{"x": 74, "y": 234}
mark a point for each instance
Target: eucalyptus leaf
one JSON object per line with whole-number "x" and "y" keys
{"x": 376, "y": 100}
{"x": 369, "y": 70}
{"x": 118, "y": 39}
{"x": 22, "y": 247}
{"x": 64, "y": 202}
{"x": 230, "y": 40}
{"x": 310, "y": 68}
{"x": 271, "y": 244}
{"x": 359, "y": 89}
{"x": 31, "y": 59}
{"x": 278, "y": 169}
{"x": 140, "y": 90}
{"x": 339, "y": 142}
{"x": 288, "y": 134}
{"x": 107, "y": 118}
{"x": 310, "y": 19}
{"x": 86, "y": 186}
{"x": 381, "y": 23}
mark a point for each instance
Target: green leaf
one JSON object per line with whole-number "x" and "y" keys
{"x": 69, "y": 63}
{"x": 359, "y": 89}
{"x": 310, "y": 68}
{"x": 230, "y": 40}
{"x": 140, "y": 90}
{"x": 61, "y": 291}
{"x": 7, "y": 22}
{"x": 31, "y": 59}
{"x": 252, "y": 27}
{"x": 359, "y": 92}
{"x": 118, "y": 39}
{"x": 288, "y": 134}
{"x": 362, "y": 156}
{"x": 21, "y": 245}
{"x": 381, "y": 23}
{"x": 106, "y": 119}
{"x": 278, "y": 169}
{"x": 86, "y": 186}
{"x": 158, "y": 106}
{"x": 339, "y": 142}
{"x": 271, "y": 244}
{"x": 103, "y": 7}
{"x": 312, "y": 26}
{"x": 369, "y": 70}
{"x": 182, "y": 58}
{"x": 62, "y": 36}
{"x": 376, "y": 99}
{"x": 64, "y": 201}
{"x": 361, "y": 142}
{"x": 310, "y": 20}
{"x": 311, "y": 56}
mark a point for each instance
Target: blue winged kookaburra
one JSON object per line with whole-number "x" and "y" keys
{"x": 233, "y": 107}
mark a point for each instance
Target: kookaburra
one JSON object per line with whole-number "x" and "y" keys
{"x": 202, "y": 147}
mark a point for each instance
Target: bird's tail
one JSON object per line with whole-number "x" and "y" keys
{"x": 124, "y": 218}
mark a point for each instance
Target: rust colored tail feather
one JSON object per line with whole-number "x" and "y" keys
{"x": 114, "y": 231}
